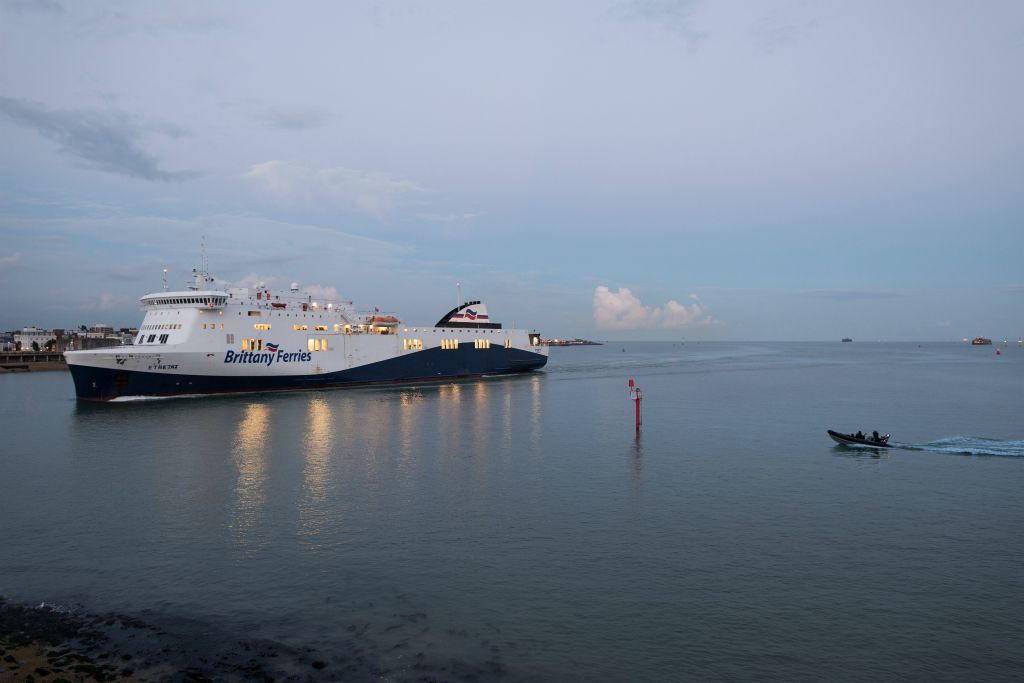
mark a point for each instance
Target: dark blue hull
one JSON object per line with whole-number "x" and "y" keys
{"x": 432, "y": 365}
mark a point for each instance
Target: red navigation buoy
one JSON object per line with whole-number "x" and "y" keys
{"x": 998, "y": 352}
{"x": 636, "y": 395}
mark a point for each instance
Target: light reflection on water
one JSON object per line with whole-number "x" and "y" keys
{"x": 318, "y": 442}
{"x": 250, "y": 454}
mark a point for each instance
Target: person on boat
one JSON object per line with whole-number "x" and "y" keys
{"x": 859, "y": 434}
{"x": 874, "y": 436}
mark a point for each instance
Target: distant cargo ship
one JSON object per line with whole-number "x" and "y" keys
{"x": 570, "y": 342}
{"x": 207, "y": 340}
{"x": 981, "y": 341}
{"x": 847, "y": 339}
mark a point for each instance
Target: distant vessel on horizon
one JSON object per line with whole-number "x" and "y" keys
{"x": 570, "y": 342}
{"x": 847, "y": 339}
{"x": 981, "y": 341}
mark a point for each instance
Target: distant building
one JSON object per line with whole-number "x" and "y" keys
{"x": 24, "y": 339}
{"x": 59, "y": 340}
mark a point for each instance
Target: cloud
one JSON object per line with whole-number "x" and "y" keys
{"x": 10, "y": 261}
{"x": 780, "y": 29}
{"x": 674, "y": 16}
{"x": 322, "y": 293}
{"x": 101, "y": 140}
{"x": 106, "y": 302}
{"x": 25, "y": 6}
{"x": 623, "y": 311}
{"x": 375, "y": 194}
{"x": 452, "y": 224}
{"x": 293, "y": 119}
{"x": 853, "y": 294}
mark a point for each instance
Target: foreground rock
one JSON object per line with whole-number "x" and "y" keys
{"x": 43, "y": 644}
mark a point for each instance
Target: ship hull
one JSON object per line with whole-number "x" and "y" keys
{"x": 105, "y": 383}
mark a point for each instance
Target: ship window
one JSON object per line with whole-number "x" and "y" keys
{"x": 141, "y": 337}
{"x": 508, "y": 343}
{"x": 316, "y": 344}
{"x": 261, "y": 326}
{"x": 483, "y": 343}
{"x": 151, "y": 338}
{"x": 163, "y": 338}
{"x": 230, "y": 339}
{"x": 245, "y": 344}
{"x": 412, "y": 344}
{"x": 254, "y": 314}
{"x": 300, "y": 328}
{"x": 320, "y": 328}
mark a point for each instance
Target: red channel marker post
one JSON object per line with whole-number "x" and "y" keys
{"x": 636, "y": 395}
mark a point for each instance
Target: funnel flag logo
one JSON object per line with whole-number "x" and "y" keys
{"x": 469, "y": 314}
{"x": 271, "y": 347}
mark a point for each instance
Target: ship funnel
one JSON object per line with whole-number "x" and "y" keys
{"x": 295, "y": 286}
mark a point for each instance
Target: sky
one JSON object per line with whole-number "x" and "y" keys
{"x": 607, "y": 169}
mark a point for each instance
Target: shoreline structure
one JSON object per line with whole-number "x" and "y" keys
{"x": 28, "y": 361}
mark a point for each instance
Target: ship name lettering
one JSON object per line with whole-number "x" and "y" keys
{"x": 265, "y": 358}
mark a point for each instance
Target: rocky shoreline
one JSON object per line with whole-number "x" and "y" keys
{"x": 46, "y": 644}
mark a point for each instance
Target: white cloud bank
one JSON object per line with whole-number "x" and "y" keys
{"x": 623, "y": 311}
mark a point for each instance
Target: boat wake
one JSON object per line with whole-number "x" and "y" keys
{"x": 970, "y": 445}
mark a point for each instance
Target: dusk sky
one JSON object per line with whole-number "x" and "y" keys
{"x": 645, "y": 169}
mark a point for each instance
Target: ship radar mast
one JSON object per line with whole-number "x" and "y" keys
{"x": 201, "y": 278}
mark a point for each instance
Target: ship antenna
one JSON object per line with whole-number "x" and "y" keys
{"x": 458, "y": 294}
{"x": 165, "y": 279}
{"x": 206, "y": 265}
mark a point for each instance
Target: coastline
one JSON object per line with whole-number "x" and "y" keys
{"x": 32, "y": 366}
{"x": 47, "y": 644}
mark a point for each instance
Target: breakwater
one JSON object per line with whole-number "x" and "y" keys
{"x": 26, "y": 361}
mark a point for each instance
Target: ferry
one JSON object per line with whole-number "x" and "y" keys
{"x": 209, "y": 340}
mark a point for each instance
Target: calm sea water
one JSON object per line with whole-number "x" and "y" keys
{"x": 522, "y": 521}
